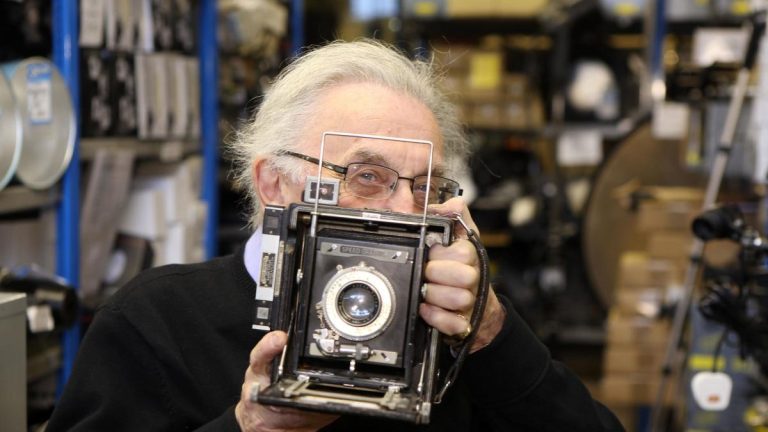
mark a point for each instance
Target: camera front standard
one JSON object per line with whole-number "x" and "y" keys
{"x": 345, "y": 284}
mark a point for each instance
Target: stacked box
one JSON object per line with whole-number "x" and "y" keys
{"x": 164, "y": 209}
{"x": 488, "y": 96}
{"x": 632, "y": 362}
{"x": 183, "y": 26}
{"x": 637, "y": 339}
{"x": 125, "y": 121}
{"x": 162, "y": 24}
{"x": 96, "y": 90}
{"x": 468, "y": 9}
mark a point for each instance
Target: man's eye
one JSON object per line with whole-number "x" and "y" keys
{"x": 369, "y": 177}
{"x": 422, "y": 187}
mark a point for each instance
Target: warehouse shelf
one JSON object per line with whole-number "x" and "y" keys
{"x": 612, "y": 131}
{"x": 164, "y": 151}
{"x": 15, "y": 199}
{"x": 551, "y": 19}
{"x": 582, "y": 335}
{"x": 522, "y": 132}
{"x": 66, "y": 56}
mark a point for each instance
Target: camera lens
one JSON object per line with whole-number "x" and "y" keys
{"x": 358, "y": 304}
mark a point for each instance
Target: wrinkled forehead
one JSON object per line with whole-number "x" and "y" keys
{"x": 372, "y": 109}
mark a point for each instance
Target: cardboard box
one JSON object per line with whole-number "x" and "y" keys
{"x": 514, "y": 115}
{"x": 637, "y": 389}
{"x": 673, "y": 245}
{"x": 522, "y": 114}
{"x": 519, "y": 8}
{"x": 162, "y": 24}
{"x": 486, "y": 71}
{"x": 516, "y": 86}
{"x": 96, "y": 89}
{"x": 145, "y": 110}
{"x": 176, "y": 185}
{"x": 193, "y": 83}
{"x": 645, "y": 302}
{"x": 183, "y": 19}
{"x": 145, "y": 214}
{"x": 638, "y": 270}
{"x": 485, "y": 114}
{"x": 453, "y": 58}
{"x": 670, "y": 194}
{"x": 124, "y": 113}
{"x": 423, "y": 8}
{"x": 630, "y": 360}
{"x": 178, "y": 95}
{"x": 469, "y": 8}
{"x": 123, "y": 30}
{"x": 634, "y": 331}
{"x": 660, "y": 215}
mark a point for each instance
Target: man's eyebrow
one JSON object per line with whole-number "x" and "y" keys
{"x": 368, "y": 156}
{"x": 372, "y": 157}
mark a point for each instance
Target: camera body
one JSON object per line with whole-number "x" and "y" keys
{"x": 345, "y": 284}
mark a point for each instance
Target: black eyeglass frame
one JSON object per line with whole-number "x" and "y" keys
{"x": 344, "y": 170}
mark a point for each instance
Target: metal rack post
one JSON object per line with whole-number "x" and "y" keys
{"x": 66, "y": 58}
{"x": 297, "y": 26}
{"x": 209, "y": 118}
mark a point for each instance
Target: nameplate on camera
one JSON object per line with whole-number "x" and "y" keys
{"x": 269, "y": 275}
{"x": 382, "y": 254}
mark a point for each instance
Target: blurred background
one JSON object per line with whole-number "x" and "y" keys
{"x": 595, "y": 127}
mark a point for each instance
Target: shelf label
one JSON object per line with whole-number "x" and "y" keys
{"x": 39, "y": 103}
{"x": 580, "y": 148}
{"x": 671, "y": 120}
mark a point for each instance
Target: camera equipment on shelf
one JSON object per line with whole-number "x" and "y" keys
{"x": 738, "y": 303}
{"x": 346, "y": 284}
{"x": 51, "y": 305}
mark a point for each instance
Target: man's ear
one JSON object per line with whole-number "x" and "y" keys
{"x": 269, "y": 184}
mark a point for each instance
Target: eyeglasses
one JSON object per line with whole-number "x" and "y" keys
{"x": 372, "y": 181}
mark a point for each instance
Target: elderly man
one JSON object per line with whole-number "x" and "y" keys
{"x": 174, "y": 349}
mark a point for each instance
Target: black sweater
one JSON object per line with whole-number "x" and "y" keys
{"x": 169, "y": 352}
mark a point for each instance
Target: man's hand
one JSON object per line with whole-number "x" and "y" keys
{"x": 253, "y": 417}
{"x": 453, "y": 274}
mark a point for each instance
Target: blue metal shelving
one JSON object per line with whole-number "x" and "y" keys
{"x": 297, "y": 26}
{"x": 209, "y": 118}
{"x": 66, "y": 57}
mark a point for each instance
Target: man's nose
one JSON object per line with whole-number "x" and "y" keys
{"x": 402, "y": 199}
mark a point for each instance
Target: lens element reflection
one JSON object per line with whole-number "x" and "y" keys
{"x": 358, "y": 304}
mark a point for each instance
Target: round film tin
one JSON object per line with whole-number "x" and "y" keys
{"x": 47, "y": 121}
{"x": 10, "y": 133}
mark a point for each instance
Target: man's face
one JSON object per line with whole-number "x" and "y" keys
{"x": 374, "y": 110}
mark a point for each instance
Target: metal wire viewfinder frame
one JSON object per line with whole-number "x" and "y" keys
{"x": 373, "y": 137}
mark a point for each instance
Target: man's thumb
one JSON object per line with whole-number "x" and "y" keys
{"x": 268, "y": 347}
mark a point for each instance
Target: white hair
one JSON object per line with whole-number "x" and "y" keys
{"x": 289, "y": 103}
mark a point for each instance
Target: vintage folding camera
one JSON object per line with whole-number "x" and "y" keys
{"x": 345, "y": 284}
